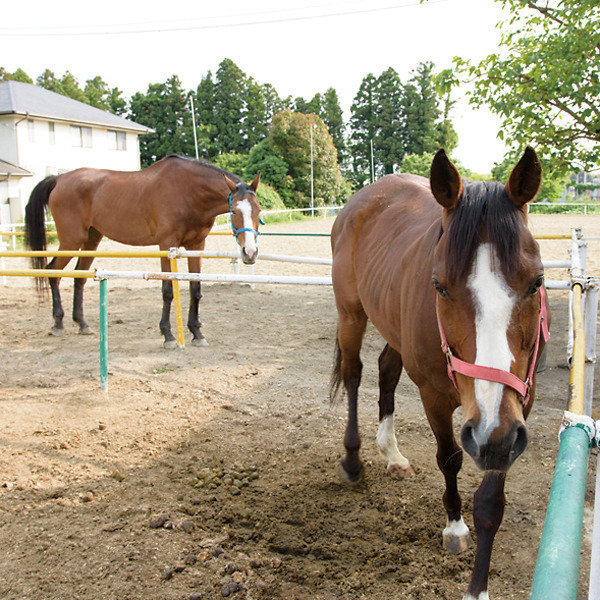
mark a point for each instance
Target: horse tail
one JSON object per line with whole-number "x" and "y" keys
{"x": 35, "y": 222}
{"x": 336, "y": 373}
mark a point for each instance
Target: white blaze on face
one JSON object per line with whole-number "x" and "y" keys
{"x": 494, "y": 305}
{"x": 249, "y": 242}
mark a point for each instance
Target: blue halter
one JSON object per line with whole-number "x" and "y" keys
{"x": 235, "y": 231}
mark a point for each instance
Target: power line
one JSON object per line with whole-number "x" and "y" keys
{"x": 145, "y": 28}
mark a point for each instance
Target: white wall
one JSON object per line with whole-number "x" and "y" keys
{"x": 41, "y": 155}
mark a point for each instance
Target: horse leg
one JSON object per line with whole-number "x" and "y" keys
{"x": 58, "y": 313}
{"x": 84, "y": 263}
{"x": 194, "y": 325}
{"x": 350, "y": 333}
{"x": 390, "y": 369}
{"x": 449, "y": 458}
{"x": 165, "y": 321}
{"x": 488, "y": 510}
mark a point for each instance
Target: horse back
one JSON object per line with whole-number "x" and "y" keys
{"x": 383, "y": 243}
{"x": 109, "y": 201}
{"x": 387, "y": 216}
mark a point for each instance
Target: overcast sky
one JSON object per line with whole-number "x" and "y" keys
{"x": 301, "y": 47}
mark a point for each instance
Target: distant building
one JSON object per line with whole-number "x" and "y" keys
{"x": 43, "y": 133}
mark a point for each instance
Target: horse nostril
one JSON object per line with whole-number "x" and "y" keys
{"x": 467, "y": 437}
{"x": 520, "y": 442}
{"x": 249, "y": 259}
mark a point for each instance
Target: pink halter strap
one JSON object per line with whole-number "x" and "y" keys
{"x": 456, "y": 365}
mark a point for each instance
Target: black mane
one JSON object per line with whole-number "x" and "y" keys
{"x": 485, "y": 212}
{"x": 205, "y": 163}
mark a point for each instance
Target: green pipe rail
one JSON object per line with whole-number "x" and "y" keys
{"x": 556, "y": 573}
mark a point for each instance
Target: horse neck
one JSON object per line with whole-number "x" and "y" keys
{"x": 210, "y": 194}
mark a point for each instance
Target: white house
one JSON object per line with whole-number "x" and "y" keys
{"x": 43, "y": 133}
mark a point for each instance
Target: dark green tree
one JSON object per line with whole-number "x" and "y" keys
{"x": 70, "y": 88}
{"x": 273, "y": 168}
{"x": 255, "y": 118}
{"x": 421, "y": 111}
{"x": 233, "y": 111}
{"x": 118, "y": 104}
{"x": 273, "y": 103}
{"x": 165, "y": 108}
{"x": 67, "y": 85}
{"x": 363, "y": 127}
{"x": 230, "y": 108}
{"x": 205, "y": 116}
{"x": 100, "y": 95}
{"x": 333, "y": 117}
{"x": 48, "y": 80}
{"x": 389, "y": 142}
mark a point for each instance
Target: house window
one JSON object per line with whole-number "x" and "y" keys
{"x": 31, "y": 130}
{"x": 117, "y": 140}
{"x": 51, "y": 136}
{"x": 81, "y": 136}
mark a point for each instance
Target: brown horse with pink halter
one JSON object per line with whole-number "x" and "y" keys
{"x": 451, "y": 277}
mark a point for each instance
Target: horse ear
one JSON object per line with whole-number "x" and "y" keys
{"x": 525, "y": 179}
{"x": 232, "y": 185}
{"x": 254, "y": 184}
{"x": 445, "y": 181}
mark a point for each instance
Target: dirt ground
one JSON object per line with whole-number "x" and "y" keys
{"x": 212, "y": 472}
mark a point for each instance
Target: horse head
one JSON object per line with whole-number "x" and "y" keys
{"x": 244, "y": 212}
{"x": 491, "y": 305}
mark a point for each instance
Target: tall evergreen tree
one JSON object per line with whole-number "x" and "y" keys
{"x": 363, "y": 126}
{"x": 70, "y": 87}
{"x": 229, "y": 107}
{"x": 48, "y": 80}
{"x": 255, "y": 125}
{"x": 117, "y": 103}
{"x": 97, "y": 92}
{"x": 100, "y": 95}
{"x": 165, "y": 108}
{"x": 333, "y": 116}
{"x": 421, "y": 109}
{"x": 390, "y": 139}
{"x": 205, "y": 116}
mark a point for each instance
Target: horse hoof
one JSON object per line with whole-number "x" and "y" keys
{"x": 457, "y": 537}
{"x": 199, "y": 342}
{"x": 57, "y": 332}
{"x": 86, "y": 330}
{"x": 170, "y": 345}
{"x": 349, "y": 478}
{"x": 400, "y": 472}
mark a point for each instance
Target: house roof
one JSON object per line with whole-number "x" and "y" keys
{"x": 7, "y": 168}
{"x": 17, "y": 98}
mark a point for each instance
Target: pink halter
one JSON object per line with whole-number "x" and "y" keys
{"x": 456, "y": 365}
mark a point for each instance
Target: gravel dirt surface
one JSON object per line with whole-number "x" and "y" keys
{"x": 212, "y": 472}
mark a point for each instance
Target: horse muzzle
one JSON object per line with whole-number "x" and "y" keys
{"x": 494, "y": 454}
{"x": 249, "y": 258}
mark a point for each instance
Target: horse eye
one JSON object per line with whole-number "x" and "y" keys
{"x": 440, "y": 289}
{"x": 536, "y": 285}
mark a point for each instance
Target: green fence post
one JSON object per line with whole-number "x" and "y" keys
{"x": 557, "y": 568}
{"x": 103, "y": 336}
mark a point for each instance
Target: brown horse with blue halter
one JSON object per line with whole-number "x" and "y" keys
{"x": 172, "y": 203}
{"x": 451, "y": 277}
